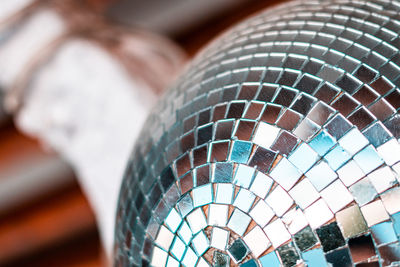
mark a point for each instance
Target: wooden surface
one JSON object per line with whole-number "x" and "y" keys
{"x": 58, "y": 228}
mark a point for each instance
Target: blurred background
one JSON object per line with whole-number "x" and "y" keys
{"x": 45, "y": 218}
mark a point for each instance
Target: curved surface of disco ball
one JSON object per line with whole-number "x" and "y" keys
{"x": 279, "y": 146}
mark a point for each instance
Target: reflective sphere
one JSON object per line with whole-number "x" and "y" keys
{"x": 279, "y": 146}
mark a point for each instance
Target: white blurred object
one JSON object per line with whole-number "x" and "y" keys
{"x": 27, "y": 42}
{"x": 10, "y": 7}
{"x": 84, "y": 88}
{"x": 85, "y": 106}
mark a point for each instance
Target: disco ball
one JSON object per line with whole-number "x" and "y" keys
{"x": 278, "y": 146}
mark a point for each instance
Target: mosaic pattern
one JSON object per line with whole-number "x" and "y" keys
{"x": 279, "y": 146}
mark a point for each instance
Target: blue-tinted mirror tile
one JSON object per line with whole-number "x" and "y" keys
{"x": 241, "y": 151}
{"x": 238, "y": 250}
{"x": 383, "y": 233}
{"x": 244, "y": 176}
{"x": 368, "y": 159}
{"x": 377, "y": 134}
{"x": 270, "y": 260}
{"x": 337, "y": 157}
{"x": 223, "y": 173}
{"x": 303, "y": 157}
{"x": 314, "y": 258}
{"x": 396, "y": 223}
{"x": 322, "y": 142}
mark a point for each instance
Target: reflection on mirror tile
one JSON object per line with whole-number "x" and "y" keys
{"x": 202, "y": 263}
{"x": 178, "y": 248}
{"x": 285, "y": 143}
{"x": 285, "y": 173}
{"x": 159, "y": 257}
{"x": 338, "y": 126}
{"x": 200, "y": 243}
{"x": 314, "y": 258}
{"x": 374, "y": 213}
{"x": 222, "y": 173}
{"x": 244, "y": 200}
{"x": 262, "y": 159}
{"x": 390, "y": 151}
{"x": 383, "y": 233}
{"x": 219, "y": 238}
{"x": 173, "y": 220}
{"x": 351, "y": 221}
{"x": 277, "y": 233}
{"x": 261, "y": 185}
{"x": 377, "y": 134}
{"x": 261, "y": 213}
{"x": 238, "y": 250}
{"x": 322, "y": 142}
{"x": 305, "y": 239}
{"x": 256, "y": 241}
{"x": 185, "y": 205}
{"x": 362, "y": 248}
{"x": 382, "y": 179}
{"x": 241, "y": 151}
{"x": 288, "y": 255}
{"x": 391, "y": 200}
{"x": 224, "y": 194}
{"x": 295, "y": 220}
{"x": 330, "y": 195}
{"x": 239, "y": 221}
{"x": 265, "y": 134}
{"x": 172, "y": 262}
{"x": 249, "y": 263}
{"x": 318, "y": 213}
{"x": 202, "y": 195}
{"x": 220, "y": 259}
{"x": 164, "y": 238}
{"x": 390, "y": 253}
{"x": 304, "y": 193}
{"x": 217, "y": 215}
{"x": 330, "y": 237}
{"x": 190, "y": 258}
{"x": 350, "y": 173}
{"x": 353, "y": 141}
{"x": 337, "y": 157}
{"x": 279, "y": 200}
{"x": 320, "y": 113}
{"x": 271, "y": 259}
{"x": 306, "y": 129}
{"x": 185, "y": 233}
{"x": 321, "y": 175}
{"x": 196, "y": 220}
{"x": 363, "y": 191}
{"x": 340, "y": 257}
{"x": 244, "y": 176}
{"x": 303, "y": 157}
{"x": 368, "y": 159}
